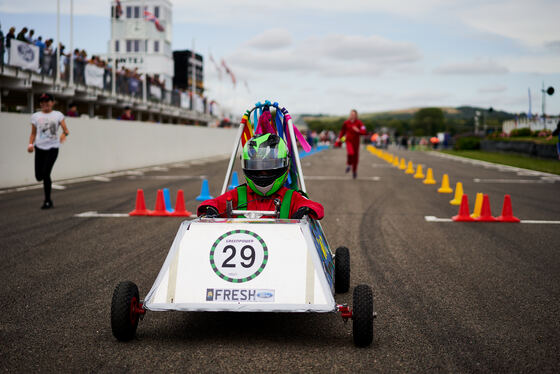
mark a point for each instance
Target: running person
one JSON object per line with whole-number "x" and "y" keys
{"x": 44, "y": 140}
{"x": 265, "y": 165}
{"x": 352, "y": 128}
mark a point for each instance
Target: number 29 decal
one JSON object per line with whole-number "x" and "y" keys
{"x": 238, "y": 256}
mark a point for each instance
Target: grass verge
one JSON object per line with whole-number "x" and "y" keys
{"x": 520, "y": 161}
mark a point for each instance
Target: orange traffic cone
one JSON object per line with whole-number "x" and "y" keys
{"x": 402, "y": 165}
{"x": 140, "y": 209}
{"x": 477, "y": 205}
{"x": 160, "y": 206}
{"x": 507, "y": 212}
{"x": 180, "y": 210}
{"x": 396, "y": 161}
{"x": 485, "y": 212}
{"x": 464, "y": 213}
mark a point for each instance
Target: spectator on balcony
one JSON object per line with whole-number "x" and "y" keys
{"x": 2, "y": 47}
{"x": 127, "y": 114}
{"x": 72, "y": 110}
{"x": 46, "y": 67}
{"x": 39, "y": 43}
{"x": 21, "y": 35}
{"x": 9, "y": 36}
{"x": 30, "y": 38}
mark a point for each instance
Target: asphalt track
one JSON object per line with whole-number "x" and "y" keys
{"x": 450, "y": 297}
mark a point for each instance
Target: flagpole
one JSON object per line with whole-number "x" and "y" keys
{"x": 71, "y": 79}
{"x": 193, "y": 72}
{"x": 57, "y": 78}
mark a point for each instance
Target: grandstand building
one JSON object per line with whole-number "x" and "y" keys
{"x": 140, "y": 48}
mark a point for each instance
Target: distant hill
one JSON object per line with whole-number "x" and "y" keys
{"x": 456, "y": 120}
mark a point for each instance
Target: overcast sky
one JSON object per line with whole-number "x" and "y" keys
{"x": 329, "y": 56}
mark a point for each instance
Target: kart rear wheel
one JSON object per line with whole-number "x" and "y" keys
{"x": 362, "y": 315}
{"x": 124, "y": 318}
{"x": 342, "y": 270}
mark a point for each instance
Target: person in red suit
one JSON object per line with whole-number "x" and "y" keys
{"x": 352, "y": 128}
{"x": 265, "y": 165}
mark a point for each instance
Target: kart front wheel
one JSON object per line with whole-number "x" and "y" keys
{"x": 342, "y": 270}
{"x": 124, "y": 311}
{"x": 362, "y": 315}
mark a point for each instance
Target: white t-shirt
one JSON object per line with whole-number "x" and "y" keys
{"x": 47, "y": 125}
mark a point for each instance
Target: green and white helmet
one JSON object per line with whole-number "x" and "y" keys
{"x": 265, "y": 163}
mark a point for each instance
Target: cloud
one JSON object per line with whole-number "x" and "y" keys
{"x": 554, "y": 46}
{"x": 472, "y": 68}
{"x": 329, "y": 55}
{"x": 492, "y": 89}
{"x": 529, "y": 22}
{"x": 271, "y": 39}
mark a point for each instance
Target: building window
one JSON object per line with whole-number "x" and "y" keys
{"x": 136, "y": 12}
{"x": 156, "y": 46}
{"x": 129, "y": 45}
{"x": 156, "y": 11}
{"x": 137, "y": 46}
{"x": 128, "y": 12}
{"x": 116, "y": 46}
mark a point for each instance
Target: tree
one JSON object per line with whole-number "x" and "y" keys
{"x": 428, "y": 121}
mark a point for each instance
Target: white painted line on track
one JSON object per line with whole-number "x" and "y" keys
{"x": 339, "y": 178}
{"x": 532, "y": 221}
{"x": 104, "y": 215}
{"x": 519, "y": 181}
{"x": 101, "y": 179}
{"x": 167, "y": 177}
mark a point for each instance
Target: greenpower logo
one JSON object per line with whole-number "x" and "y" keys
{"x": 238, "y": 256}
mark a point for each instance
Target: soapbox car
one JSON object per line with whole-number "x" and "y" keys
{"x": 240, "y": 264}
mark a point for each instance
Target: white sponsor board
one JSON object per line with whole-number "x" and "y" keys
{"x": 185, "y": 100}
{"x": 24, "y": 55}
{"x": 243, "y": 265}
{"x": 155, "y": 91}
{"x": 94, "y": 76}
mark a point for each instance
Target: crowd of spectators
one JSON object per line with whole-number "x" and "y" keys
{"x": 128, "y": 80}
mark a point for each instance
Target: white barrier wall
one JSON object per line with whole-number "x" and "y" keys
{"x": 101, "y": 146}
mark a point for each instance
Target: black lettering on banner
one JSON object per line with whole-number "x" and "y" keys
{"x": 217, "y": 294}
{"x": 234, "y": 295}
{"x": 250, "y": 257}
{"x": 243, "y": 295}
{"x": 227, "y": 294}
{"x": 226, "y": 263}
{"x": 252, "y": 294}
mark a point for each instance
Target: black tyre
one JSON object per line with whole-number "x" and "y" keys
{"x": 362, "y": 315}
{"x": 342, "y": 270}
{"x": 123, "y": 319}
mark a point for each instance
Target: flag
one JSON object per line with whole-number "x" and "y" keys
{"x": 247, "y": 130}
{"x": 118, "y": 10}
{"x": 233, "y": 80}
{"x": 216, "y": 66}
{"x": 152, "y": 18}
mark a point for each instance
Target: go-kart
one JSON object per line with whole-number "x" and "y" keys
{"x": 240, "y": 264}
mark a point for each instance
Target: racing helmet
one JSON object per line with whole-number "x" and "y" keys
{"x": 265, "y": 163}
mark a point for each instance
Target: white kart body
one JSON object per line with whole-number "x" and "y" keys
{"x": 246, "y": 265}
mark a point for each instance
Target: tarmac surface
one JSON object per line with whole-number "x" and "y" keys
{"x": 449, "y": 297}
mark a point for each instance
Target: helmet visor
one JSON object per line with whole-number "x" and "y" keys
{"x": 265, "y": 158}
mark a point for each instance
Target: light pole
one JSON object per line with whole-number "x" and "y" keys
{"x": 548, "y": 91}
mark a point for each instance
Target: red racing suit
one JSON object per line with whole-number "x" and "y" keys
{"x": 258, "y": 202}
{"x": 352, "y": 130}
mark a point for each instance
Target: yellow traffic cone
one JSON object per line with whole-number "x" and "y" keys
{"x": 396, "y": 161}
{"x": 409, "y": 168}
{"x": 402, "y": 166}
{"x": 458, "y": 194}
{"x": 445, "y": 188}
{"x": 477, "y": 205}
{"x": 419, "y": 173}
{"x": 429, "y": 177}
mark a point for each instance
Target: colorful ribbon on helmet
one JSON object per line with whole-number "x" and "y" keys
{"x": 247, "y": 129}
